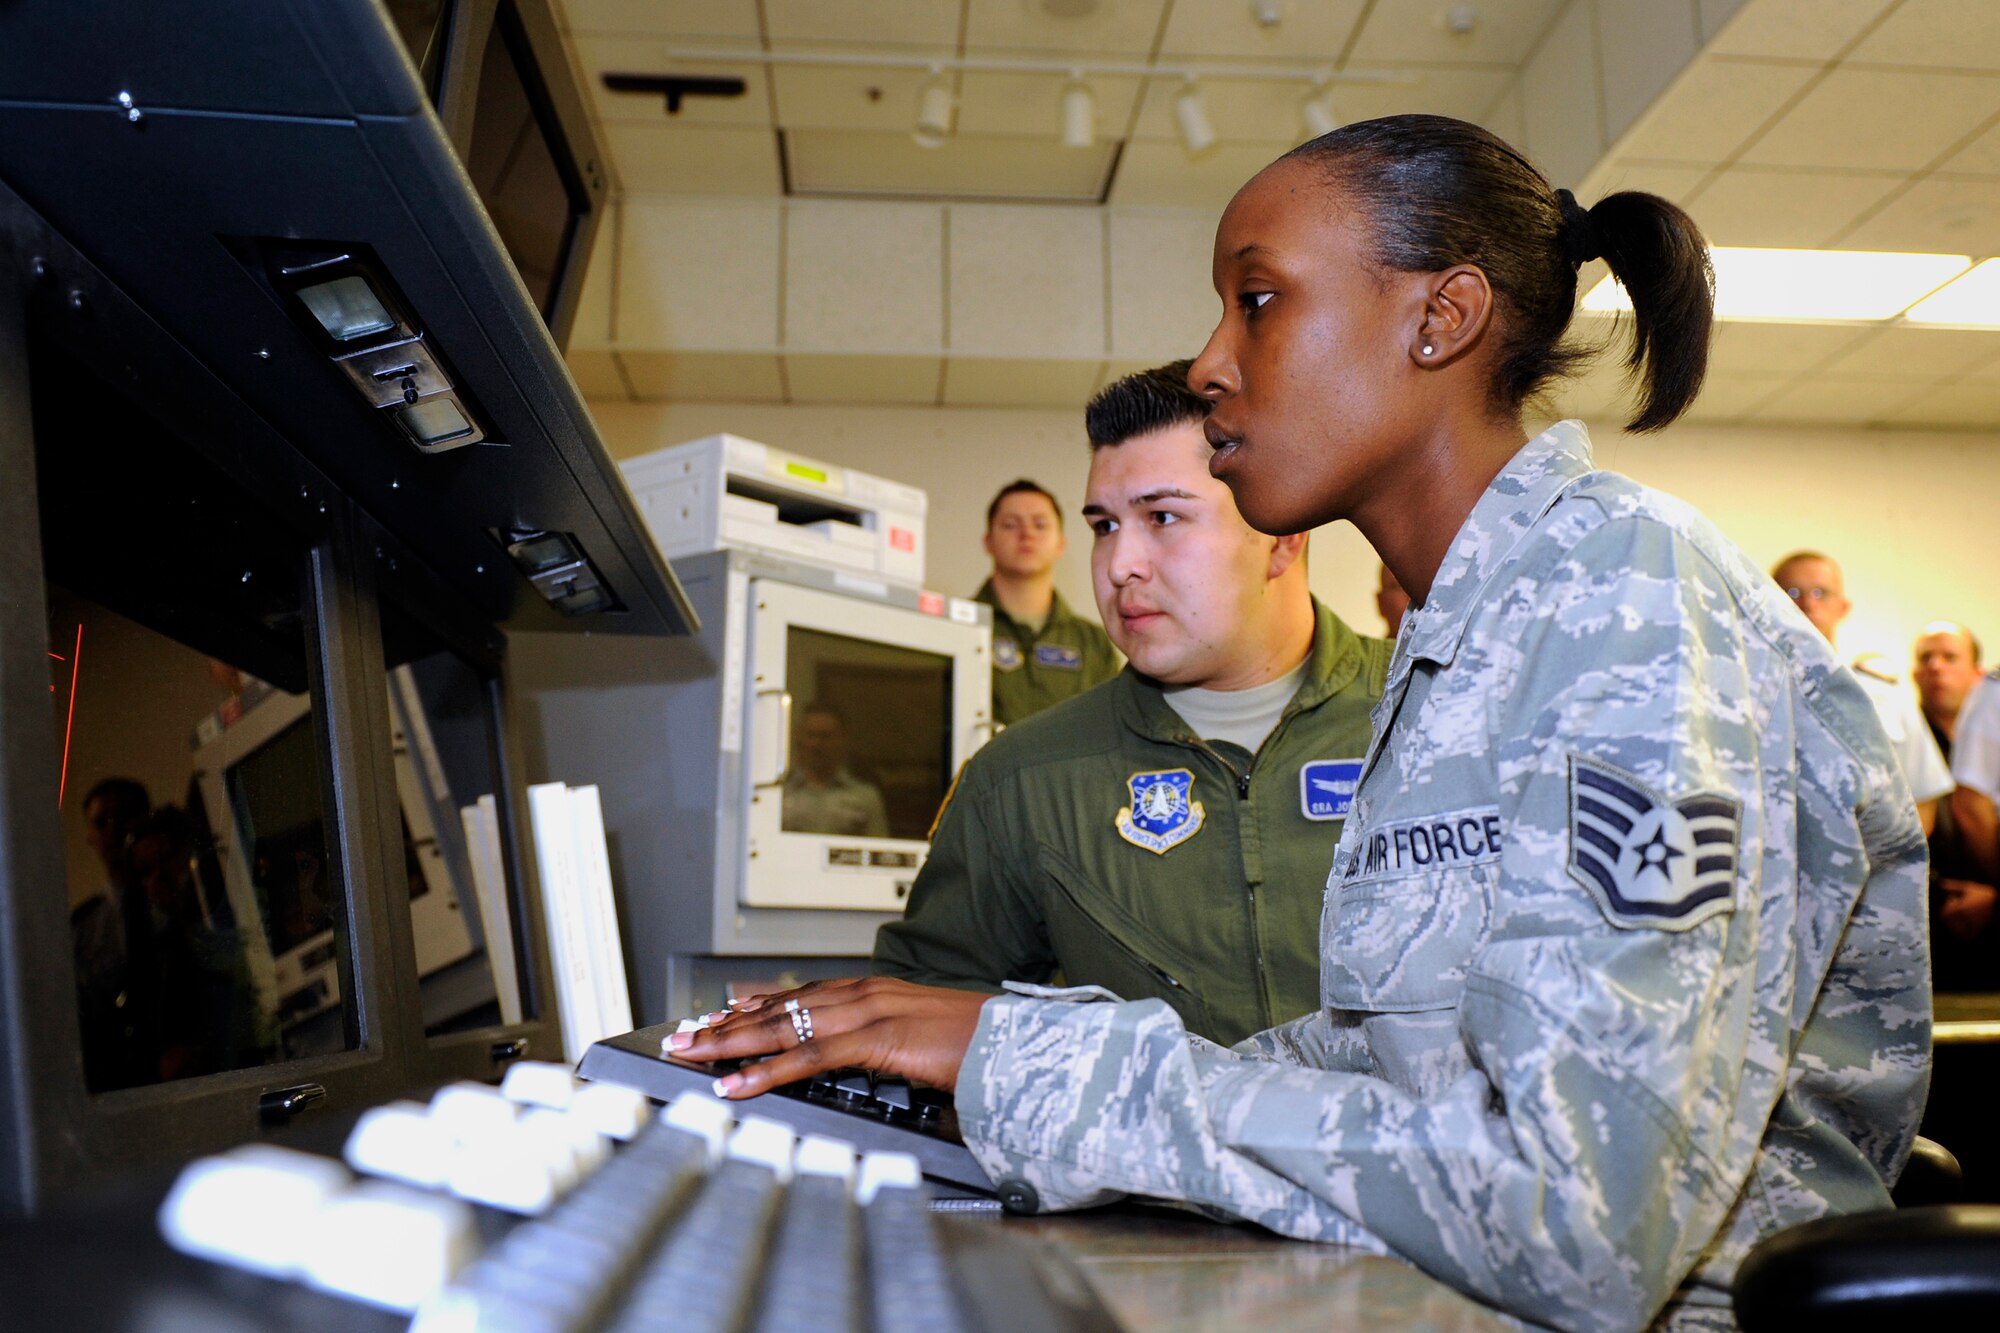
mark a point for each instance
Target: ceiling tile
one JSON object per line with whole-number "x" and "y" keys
{"x": 840, "y": 97}
{"x": 1987, "y": 371}
{"x": 965, "y": 167}
{"x": 699, "y": 273}
{"x": 1162, "y": 304}
{"x": 873, "y": 22}
{"x": 715, "y": 377}
{"x": 1504, "y": 34}
{"x": 864, "y": 277}
{"x": 664, "y": 18}
{"x": 1029, "y": 104}
{"x": 1732, "y": 397}
{"x": 635, "y": 55}
{"x": 1565, "y": 123}
{"x": 1888, "y": 119}
{"x": 1715, "y": 14}
{"x": 1027, "y": 281}
{"x": 1161, "y": 175}
{"x": 1981, "y": 157}
{"x": 1010, "y": 382}
{"x": 861, "y": 379}
{"x": 1915, "y": 355}
{"x": 1786, "y": 208}
{"x": 1935, "y": 216}
{"x": 1796, "y": 29}
{"x": 1942, "y": 34}
{"x": 1712, "y": 109}
{"x": 1969, "y": 403}
{"x": 596, "y": 375}
{"x": 1821, "y": 400}
{"x": 1670, "y": 180}
{"x": 1108, "y": 28}
{"x": 592, "y": 325}
{"x": 1745, "y": 348}
{"x": 1644, "y": 45}
{"x": 1310, "y": 30}
{"x": 689, "y": 159}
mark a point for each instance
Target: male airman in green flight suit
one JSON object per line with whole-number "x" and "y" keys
{"x": 1043, "y": 652}
{"x": 1166, "y": 834}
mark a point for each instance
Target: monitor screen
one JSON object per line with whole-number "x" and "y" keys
{"x": 871, "y": 736}
{"x": 513, "y": 159}
{"x": 274, "y": 795}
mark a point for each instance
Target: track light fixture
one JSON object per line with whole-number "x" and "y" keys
{"x": 1191, "y": 113}
{"x": 1079, "y": 114}
{"x": 1316, "y": 113}
{"x": 934, "y": 108}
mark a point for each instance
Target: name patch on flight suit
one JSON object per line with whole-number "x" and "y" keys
{"x": 1163, "y": 813}
{"x": 1060, "y": 656}
{"x": 1433, "y": 842}
{"x": 1006, "y": 654}
{"x": 1326, "y": 787}
{"x": 1646, "y": 860}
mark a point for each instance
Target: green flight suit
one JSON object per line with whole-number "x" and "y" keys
{"x": 1036, "y": 669}
{"x": 1040, "y": 864}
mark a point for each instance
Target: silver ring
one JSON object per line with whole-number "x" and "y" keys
{"x": 802, "y": 1021}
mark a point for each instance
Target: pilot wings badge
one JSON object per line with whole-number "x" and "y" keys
{"x": 1163, "y": 813}
{"x": 1646, "y": 860}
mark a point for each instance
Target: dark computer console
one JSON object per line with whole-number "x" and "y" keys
{"x": 871, "y": 1111}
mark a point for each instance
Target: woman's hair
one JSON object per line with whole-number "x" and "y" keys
{"x": 1437, "y": 192}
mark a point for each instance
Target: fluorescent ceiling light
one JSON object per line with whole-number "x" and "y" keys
{"x": 1810, "y": 284}
{"x": 1972, "y": 301}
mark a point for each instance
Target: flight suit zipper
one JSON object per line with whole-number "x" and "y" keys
{"x": 1249, "y": 889}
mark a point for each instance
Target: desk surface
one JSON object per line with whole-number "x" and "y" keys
{"x": 1158, "y": 1271}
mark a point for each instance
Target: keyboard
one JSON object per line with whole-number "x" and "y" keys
{"x": 553, "y": 1205}
{"x": 873, "y": 1111}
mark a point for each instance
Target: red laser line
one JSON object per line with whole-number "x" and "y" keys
{"x": 75, "y": 662}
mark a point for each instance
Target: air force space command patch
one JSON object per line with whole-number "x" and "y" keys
{"x": 1649, "y": 861}
{"x": 1163, "y": 813}
{"x": 1006, "y": 654}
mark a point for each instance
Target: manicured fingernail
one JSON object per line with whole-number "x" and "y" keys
{"x": 680, "y": 1041}
{"x": 726, "y": 1087}
{"x": 745, "y": 1006}
{"x": 715, "y": 1017}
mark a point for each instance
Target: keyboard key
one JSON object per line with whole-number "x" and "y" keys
{"x": 468, "y": 1109}
{"x": 615, "y": 1111}
{"x": 401, "y": 1141}
{"x": 540, "y": 1083}
{"x": 247, "y": 1207}
{"x": 388, "y": 1244}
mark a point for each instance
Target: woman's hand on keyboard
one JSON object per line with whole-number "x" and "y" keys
{"x": 893, "y": 1027}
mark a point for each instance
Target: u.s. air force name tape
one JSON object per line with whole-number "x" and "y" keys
{"x": 1444, "y": 841}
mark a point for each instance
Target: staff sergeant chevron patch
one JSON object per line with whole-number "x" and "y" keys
{"x": 1648, "y": 861}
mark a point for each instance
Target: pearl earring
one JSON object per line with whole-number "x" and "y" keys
{"x": 1427, "y": 349}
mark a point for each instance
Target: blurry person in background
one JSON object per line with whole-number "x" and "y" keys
{"x": 1043, "y": 652}
{"x": 1816, "y": 586}
{"x": 1964, "y": 936}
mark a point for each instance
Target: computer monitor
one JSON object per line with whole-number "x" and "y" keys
{"x": 525, "y": 138}
{"x": 203, "y": 499}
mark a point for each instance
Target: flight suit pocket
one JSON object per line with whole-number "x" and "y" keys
{"x": 1400, "y": 944}
{"x": 1097, "y": 942}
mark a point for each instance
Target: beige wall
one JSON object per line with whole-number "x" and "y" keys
{"x": 1912, "y": 515}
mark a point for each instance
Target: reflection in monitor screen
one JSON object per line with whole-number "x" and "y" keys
{"x": 514, "y": 167}
{"x": 871, "y": 736}
{"x": 176, "y": 954}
